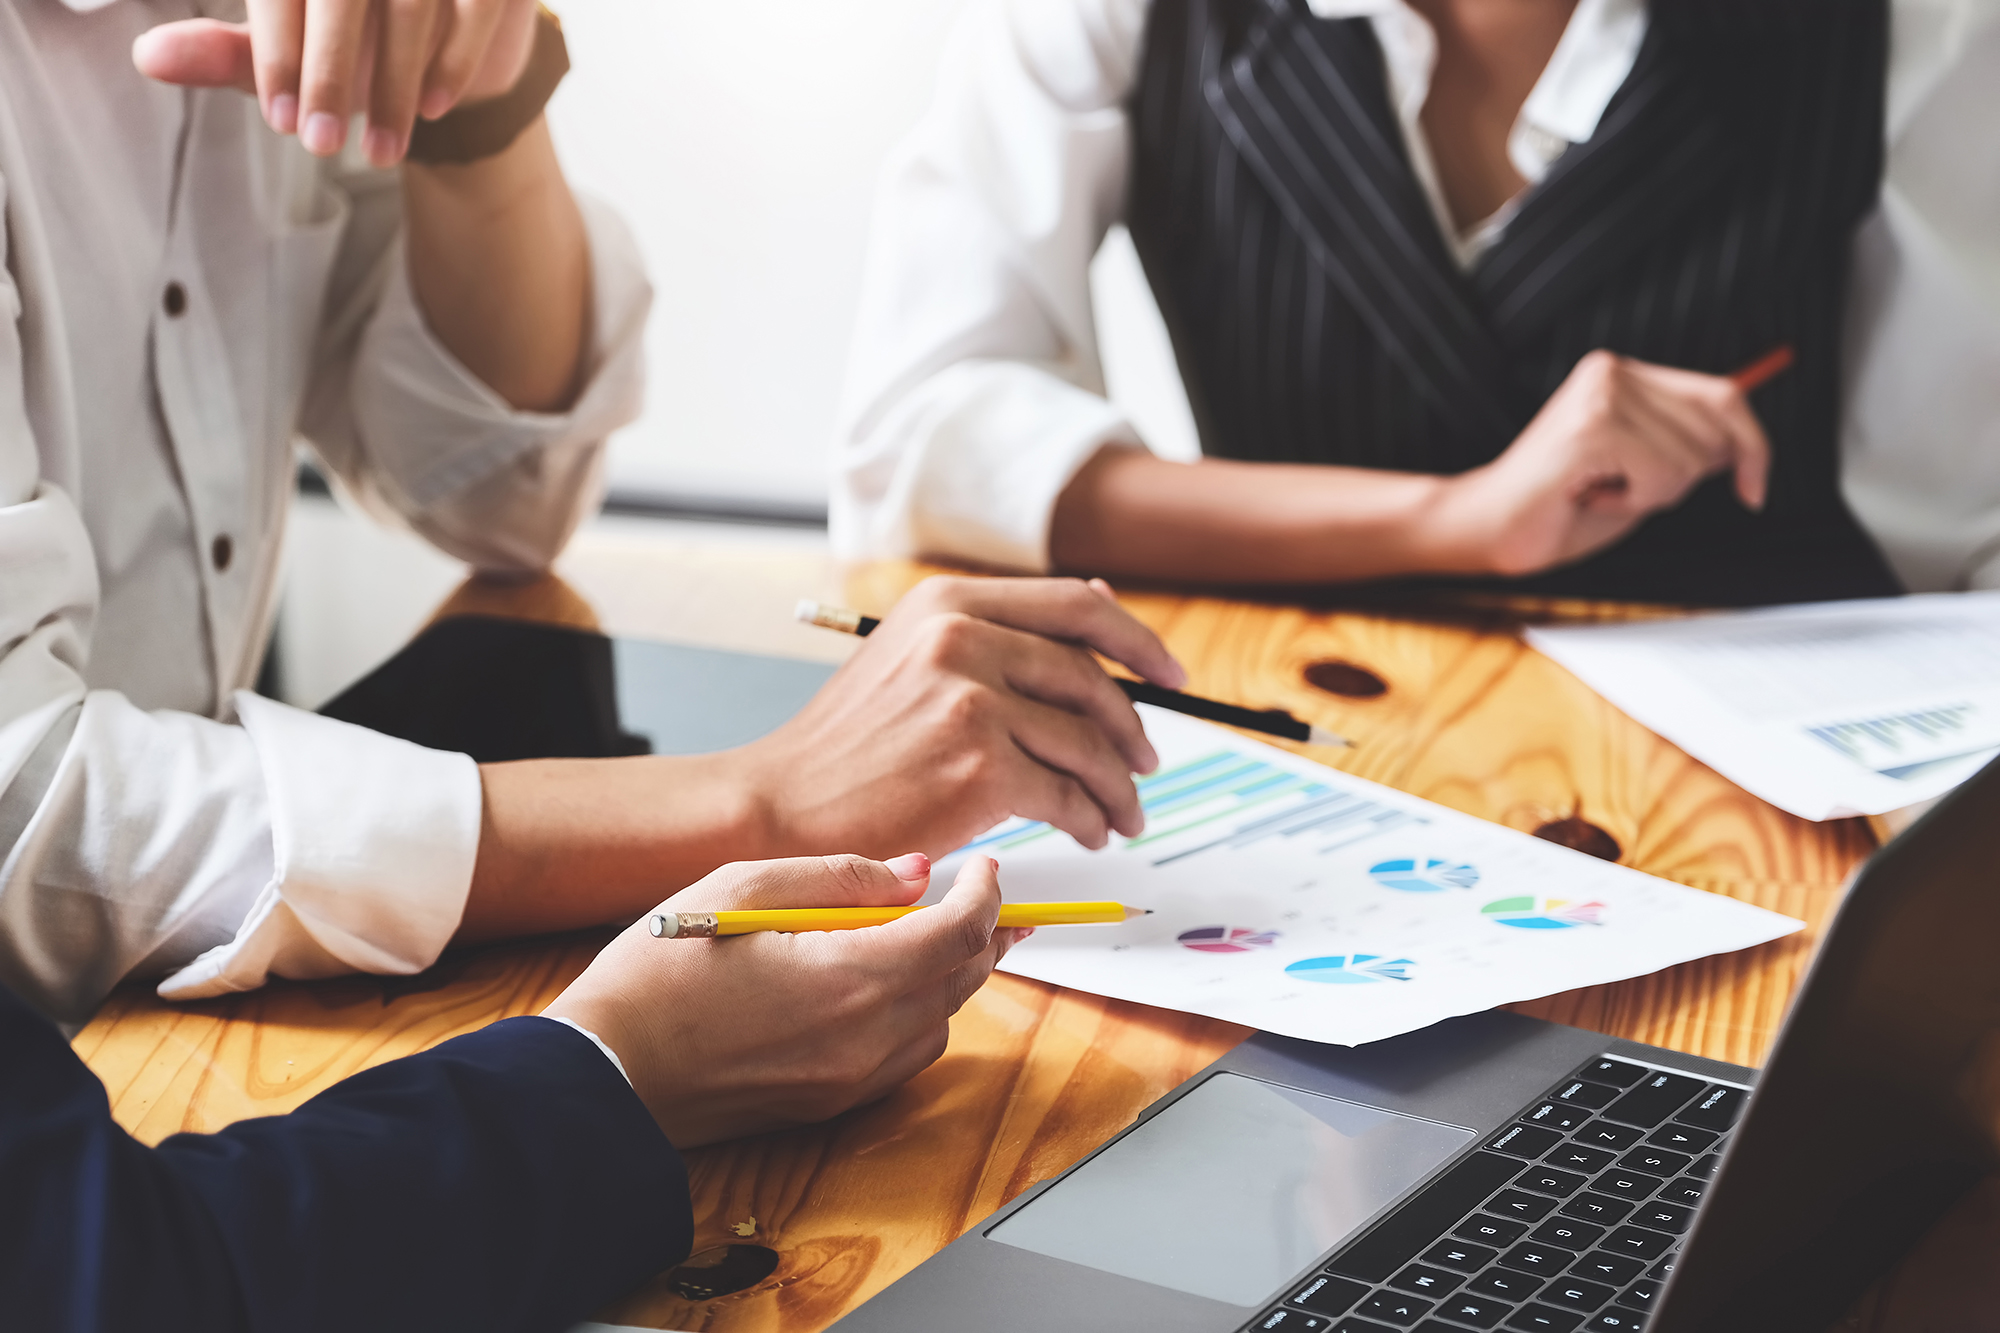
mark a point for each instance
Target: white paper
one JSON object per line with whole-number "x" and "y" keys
{"x": 1293, "y": 898}
{"x": 1827, "y": 710}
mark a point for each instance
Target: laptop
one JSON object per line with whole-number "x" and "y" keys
{"x": 1490, "y": 1172}
{"x": 1498, "y": 1172}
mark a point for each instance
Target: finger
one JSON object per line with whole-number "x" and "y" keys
{"x": 408, "y": 34}
{"x": 1042, "y": 794}
{"x": 277, "y": 44}
{"x": 926, "y": 945}
{"x": 198, "y": 53}
{"x": 1072, "y": 746}
{"x": 472, "y": 24}
{"x": 808, "y": 881}
{"x": 1070, "y": 610}
{"x": 329, "y": 69}
{"x": 1069, "y": 679}
{"x": 1716, "y": 414}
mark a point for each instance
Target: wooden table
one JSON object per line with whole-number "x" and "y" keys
{"x": 1036, "y": 1075}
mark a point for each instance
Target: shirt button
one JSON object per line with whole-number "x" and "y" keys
{"x": 222, "y": 551}
{"x": 175, "y": 300}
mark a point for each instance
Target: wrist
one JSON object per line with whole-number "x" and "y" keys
{"x": 1444, "y": 527}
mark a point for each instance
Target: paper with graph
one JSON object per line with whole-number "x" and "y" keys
{"x": 1296, "y": 899}
{"x": 1827, "y": 710}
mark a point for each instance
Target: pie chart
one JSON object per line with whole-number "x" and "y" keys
{"x": 1227, "y": 939}
{"x": 1423, "y": 875}
{"x": 1529, "y": 913}
{"x": 1351, "y": 969}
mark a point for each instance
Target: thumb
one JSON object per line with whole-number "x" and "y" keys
{"x": 197, "y": 53}
{"x": 809, "y": 881}
{"x": 938, "y": 939}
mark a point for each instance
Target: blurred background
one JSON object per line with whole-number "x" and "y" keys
{"x": 742, "y": 144}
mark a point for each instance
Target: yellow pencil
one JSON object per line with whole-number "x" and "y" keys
{"x": 705, "y": 925}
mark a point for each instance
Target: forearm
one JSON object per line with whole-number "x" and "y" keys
{"x": 501, "y": 267}
{"x": 566, "y": 843}
{"x": 1221, "y": 521}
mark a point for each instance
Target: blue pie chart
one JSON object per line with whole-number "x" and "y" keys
{"x": 1423, "y": 875}
{"x": 1351, "y": 969}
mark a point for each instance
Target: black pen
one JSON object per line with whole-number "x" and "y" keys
{"x": 1270, "y": 721}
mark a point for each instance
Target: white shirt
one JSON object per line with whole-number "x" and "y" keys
{"x": 974, "y": 390}
{"x": 185, "y": 292}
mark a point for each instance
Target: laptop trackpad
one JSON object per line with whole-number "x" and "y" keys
{"x": 1233, "y": 1189}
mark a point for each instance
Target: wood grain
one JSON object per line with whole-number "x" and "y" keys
{"x": 1036, "y": 1076}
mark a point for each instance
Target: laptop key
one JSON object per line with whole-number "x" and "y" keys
{"x": 1351, "y": 1325}
{"x": 1715, "y": 1109}
{"x": 1609, "y": 1070}
{"x": 1570, "y": 1235}
{"x": 1457, "y": 1254}
{"x": 1686, "y": 1191}
{"x": 1616, "y": 1320}
{"x": 1655, "y": 1098}
{"x": 1655, "y": 1161}
{"x": 1621, "y": 1184}
{"x": 1664, "y": 1217}
{"x": 1683, "y": 1138}
{"x": 1327, "y": 1294}
{"x": 1395, "y": 1240}
{"x": 1544, "y": 1319}
{"x": 1662, "y": 1270}
{"x": 1603, "y": 1266}
{"x": 1394, "y": 1308}
{"x": 1555, "y": 1115}
{"x": 1490, "y": 1230}
{"x": 1579, "y": 1093}
{"x": 1541, "y": 1260}
{"x": 1705, "y": 1168}
{"x": 1520, "y": 1205}
{"x": 1503, "y": 1284}
{"x": 1292, "y": 1321}
{"x": 1477, "y": 1311}
{"x": 1638, "y": 1242}
{"x": 1604, "y": 1134}
{"x": 1529, "y": 1141}
{"x": 1576, "y": 1157}
{"x": 1426, "y": 1281}
{"x": 1549, "y": 1180}
{"x": 1641, "y": 1295}
{"x": 1576, "y": 1294}
{"x": 1590, "y": 1207}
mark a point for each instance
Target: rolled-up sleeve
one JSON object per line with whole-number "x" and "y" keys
{"x": 974, "y": 391}
{"x": 416, "y": 438}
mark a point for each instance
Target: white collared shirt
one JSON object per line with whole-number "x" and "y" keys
{"x": 974, "y": 390}
{"x": 185, "y": 294}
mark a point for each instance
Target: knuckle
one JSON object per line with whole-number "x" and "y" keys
{"x": 855, "y": 874}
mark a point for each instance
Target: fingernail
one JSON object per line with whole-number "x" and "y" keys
{"x": 911, "y": 867}
{"x": 322, "y": 134}
{"x": 283, "y": 113}
{"x": 435, "y": 103}
{"x": 383, "y": 147}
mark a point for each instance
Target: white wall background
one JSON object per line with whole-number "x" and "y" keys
{"x": 742, "y": 141}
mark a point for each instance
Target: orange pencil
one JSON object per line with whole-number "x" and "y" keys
{"x": 1764, "y": 369}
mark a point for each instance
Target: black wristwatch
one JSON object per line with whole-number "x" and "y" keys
{"x": 484, "y": 128}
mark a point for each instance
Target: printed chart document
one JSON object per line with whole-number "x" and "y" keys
{"x": 1296, "y": 899}
{"x": 1828, "y": 710}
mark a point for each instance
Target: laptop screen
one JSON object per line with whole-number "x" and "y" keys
{"x": 1880, "y": 1105}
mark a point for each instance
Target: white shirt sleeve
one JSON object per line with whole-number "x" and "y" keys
{"x": 974, "y": 391}
{"x": 418, "y": 439}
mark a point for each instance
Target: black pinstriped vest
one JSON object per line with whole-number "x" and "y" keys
{"x": 1318, "y": 316}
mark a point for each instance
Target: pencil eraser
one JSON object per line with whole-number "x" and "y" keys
{"x": 807, "y": 610}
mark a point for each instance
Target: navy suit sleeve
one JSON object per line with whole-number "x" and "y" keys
{"x": 506, "y": 1180}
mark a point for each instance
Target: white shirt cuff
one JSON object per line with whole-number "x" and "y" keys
{"x": 373, "y": 841}
{"x": 596, "y": 1041}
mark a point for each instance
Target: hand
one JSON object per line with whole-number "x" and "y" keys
{"x": 1619, "y": 440}
{"x": 314, "y": 63}
{"x": 749, "y": 1033}
{"x": 976, "y": 699}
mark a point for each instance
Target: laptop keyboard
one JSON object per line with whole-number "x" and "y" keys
{"x": 1568, "y": 1219}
